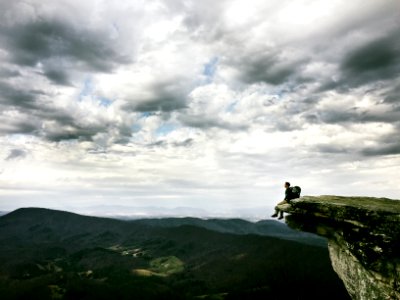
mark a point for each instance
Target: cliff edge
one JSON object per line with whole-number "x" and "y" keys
{"x": 363, "y": 239}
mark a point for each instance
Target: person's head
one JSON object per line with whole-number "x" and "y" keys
{"x": 287, "y": 184}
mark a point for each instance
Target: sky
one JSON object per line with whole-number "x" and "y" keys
{"x": 204, "y": 108}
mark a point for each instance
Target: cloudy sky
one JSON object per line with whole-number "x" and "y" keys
{"x": 207, "y": 106}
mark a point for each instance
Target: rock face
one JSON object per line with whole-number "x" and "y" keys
{"x": 363, "y": 238}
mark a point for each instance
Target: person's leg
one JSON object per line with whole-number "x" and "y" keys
{"x": 281, "y": 212}
{"x": 277, "y": 210}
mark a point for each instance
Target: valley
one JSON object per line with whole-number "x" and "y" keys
{"x": 48, "y": 254}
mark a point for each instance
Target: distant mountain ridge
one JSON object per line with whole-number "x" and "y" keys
{"x": 47, "y": 254}
{"x": 78, "y": 222}
{"x": 270, "y": 228}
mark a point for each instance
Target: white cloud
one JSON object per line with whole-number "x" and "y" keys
{"x": 196, "y": 103}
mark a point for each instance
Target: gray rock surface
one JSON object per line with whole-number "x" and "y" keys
{"x": 363, "y": 239}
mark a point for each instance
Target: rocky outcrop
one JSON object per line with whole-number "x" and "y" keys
{"x": 363, "y": 238}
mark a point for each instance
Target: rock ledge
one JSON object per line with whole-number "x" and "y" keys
{"x": 363, "y": 239}
{"x": 382, "y": 215}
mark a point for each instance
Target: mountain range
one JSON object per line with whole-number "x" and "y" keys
{"x": 48, "y": 254}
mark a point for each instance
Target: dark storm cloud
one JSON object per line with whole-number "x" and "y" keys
{"x": 385, "y": 149}
{"x": 269, "y": 67}
{"x": 64, "y": 134}
{"x": 157, "y": 144}
{"x": 54, "y": 124}
{"x": 58, "y": 133}
{"x": 377, "y": 60}
{"x": 385, "y": 145}
{"x": 164, "y": 143}
{"x": 17, "y": 96}
{"x": 58, "y": 76}
{"x": 58, "y": 51}
{"x": 393, "y": 95}
{"x": 164, "y": 102}
{"x": 339, "y": 116}
{"x": 17, "y": 125}
{"x": 165, "y": 96}
{"x": 26, "y": 127}
{"x": 16, "y": 154}
{"x": 203, "y": 122}
{"x": 60, "y": 45}
{"x": 332, "y": 149}
{"x": 185, "y": 143}
{"x": 63, "y": 127}
{"x": 353, "y": 115}
{"x": 199, "y": 122}
{"x": 286, "y": 125}
{"x": 7, "y": 73}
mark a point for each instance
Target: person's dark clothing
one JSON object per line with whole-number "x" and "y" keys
{"x": 288, "y": 194}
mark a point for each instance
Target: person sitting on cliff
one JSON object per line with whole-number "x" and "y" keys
{"x": 288, "y": 196}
